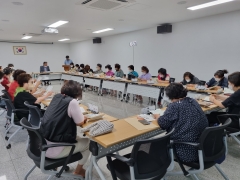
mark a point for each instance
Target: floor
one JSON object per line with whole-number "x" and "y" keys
{"x": 14, "y": 163}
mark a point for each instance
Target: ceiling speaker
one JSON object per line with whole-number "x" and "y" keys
{"x": 164, "y": 29}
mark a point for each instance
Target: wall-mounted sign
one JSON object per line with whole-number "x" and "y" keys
{"x": 20, "y": 50}
{"x": 133, "y": 43}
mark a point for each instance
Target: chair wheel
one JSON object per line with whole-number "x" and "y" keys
{"x": 8, "y": 146}
{"x": 67, "y": 168}
{"x": 6, "y": 138}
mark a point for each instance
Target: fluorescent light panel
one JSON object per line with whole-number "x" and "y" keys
{"x": 205, "y": 5}
{"x": 63, "y": 39}
{"x": 26, "y": 37}
{"x": 103, "y": 30}
{"x": 57, "y": 24}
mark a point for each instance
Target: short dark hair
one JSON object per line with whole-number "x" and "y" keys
{"x": 162, "y": 71}
{"x": 72, "y": 63}
{"x": 67, "y": 57}
{"x": 1, "y": 74}
{"x": 23, "y": 78}
{"x": 72, "y": 88}
{"x": 176, "y": 91}
{"x": 44, "y": 62}
{"x": 108, "y": 66}
{"x": 82, "y": 65}
{"x": 99, "y": 65}
{"x": 144, "y": 68}
{"x": 77, "y": 65}
{"x": 17, "y": 73}
{"x": 87, "y": 68}
{"x": 10, "y": 65}
{"x": 234, "y": 78}
{"x": 7, "y": 71}
{"x": 117, "y": 66}
{"x": 190, "y": 75}
{"x": 220, "y": 73}
{"x": 131, "y": 67}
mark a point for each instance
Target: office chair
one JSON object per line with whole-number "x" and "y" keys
{"x": 149, "y": 159}
{"x": 233, "y": 130}
{"x": 212, "y": 147}
{"x": 14, "y": 122}
{"x": 35, "y": 115}
{"x": 37, "y": 148}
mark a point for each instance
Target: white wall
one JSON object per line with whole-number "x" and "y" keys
{"x": 201, "y": 46}
{"x": 54, "y": 54}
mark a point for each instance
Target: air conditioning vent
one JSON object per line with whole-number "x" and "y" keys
{"x": 32, "y": 34}
{"x": 106, "y": 4}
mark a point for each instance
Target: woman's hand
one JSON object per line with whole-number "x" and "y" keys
{"x": 85, "y": 119}
{"x": 156, "y": 116}
{"x": 140, "y": 118}
{"x": 212, "y": 98}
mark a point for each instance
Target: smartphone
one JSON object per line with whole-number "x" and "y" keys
{"x": 144, "y": 122}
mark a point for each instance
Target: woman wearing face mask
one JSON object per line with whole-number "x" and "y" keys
{"x": 187, "y": 117}
{"x": 132, "y": 72}
{"x": 219, "y": 79}
{"x": 163, "y": 76}
{"x": 145, "y": 74}
{"x": 109, "y": 70}
{"x": 189, "y": 79}
{"x": 81, "y": 68}
{"x": 22, "y": 95}
{"x": 6, "y": 78}
{"x": 232, "y": 102}
{"x": 98, "y": 69}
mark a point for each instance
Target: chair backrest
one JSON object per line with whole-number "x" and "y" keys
{"x": 171, "y": 80}
{"x": 6, "y": 95}
{"x": 35, "y": 140}
{"x": 151, "y": 157}
{"x": 10, "y": 106}
{"x": 36, "y": 115}
{"x": 211, "y": 142}
{"x": 235, "y": 124}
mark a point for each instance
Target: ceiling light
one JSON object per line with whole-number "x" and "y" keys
{"x": 103, "y": 30}
{"x": 57, "y": 24}
{"x": 64, "y": 39}
{"x": 213, "y": 3}
{"x": 27, "y": 37}
{"x": 17, "y": 3}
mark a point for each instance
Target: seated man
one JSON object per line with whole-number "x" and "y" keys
{"x": 43, "y": 69}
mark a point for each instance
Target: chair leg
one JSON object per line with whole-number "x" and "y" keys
{"x": 8, "y": 129}
{"x": 221, "y": 172}
{"x": 195, "y": 176}
{"x": 29, "y": 172}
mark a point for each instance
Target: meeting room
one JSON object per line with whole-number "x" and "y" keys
{"x": 120, "y": 90}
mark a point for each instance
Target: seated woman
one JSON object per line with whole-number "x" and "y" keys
{"x": 219, "y": 79}
{"x": 6, "y": 78}
{"x": 232, "y": 102}
{"x": 22, "y": 95}
{"x": 87, "y": 69}
{"x": 145, "y": 74}
{"x": 187, "y": 117}
{"x": 189, "y": 79}
{"x": 13, "y": 86}
{"x": 109, "y": 70}
{"x": 163, "y": 76}
{"x": 81, "y": 68}
{"x": 119, "y": 72}
{"x": 132, "y": 72}
{"x": 64, "y": 112}
{"x": 98, "y": 69}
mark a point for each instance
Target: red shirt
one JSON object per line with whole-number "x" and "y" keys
{"x": 5, "y": 82}
{"x": 12, "y": 89}
{"x": 166, "y": 78}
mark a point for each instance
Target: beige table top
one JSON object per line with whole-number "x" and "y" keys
{"x": 122, "y": 131}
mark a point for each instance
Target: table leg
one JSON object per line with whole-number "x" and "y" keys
{"x": 88, "y": 175}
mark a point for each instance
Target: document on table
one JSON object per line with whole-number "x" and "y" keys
{"x": 139, "y": 126}
{"x": 49, "y": 88}
{"x": 158, "y": 111}
{"x": 147, "y": 117}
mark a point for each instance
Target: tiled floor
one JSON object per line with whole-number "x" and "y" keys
{"x": 14, "y": 163}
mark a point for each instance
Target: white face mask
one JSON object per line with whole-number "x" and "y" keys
{"x": 188, "y": 80}
{"x": 230, "y": 86}
{"x": 217, "y": 79}
{"x": 71, "y": 65}
{"x": 143, "y": 73}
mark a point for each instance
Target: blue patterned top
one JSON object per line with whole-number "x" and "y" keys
{"x": 189, "y": 121}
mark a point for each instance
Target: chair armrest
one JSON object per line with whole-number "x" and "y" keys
{"x": 15, "y": 110}
{"x": 129, "y": 162}
{"x": 46, "y": 147}
{"x": 187, "y": 143}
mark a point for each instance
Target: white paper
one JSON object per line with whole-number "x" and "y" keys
{"x": 82, "y": 109}
{"x": 228, "y": 91}
{"x": 206, "y": 98}
{"x": 158, "y": 111}
{"x": 150, "y": 82}
{"x": 147, "y": 117}
{"x": 92, "y": 107}
{"x": 107, "y": 76}
{"x": 96, "y": 75}
{"x": 49, "y": 88}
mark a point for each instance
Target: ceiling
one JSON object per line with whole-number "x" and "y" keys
{"x": 34, "y": 15}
